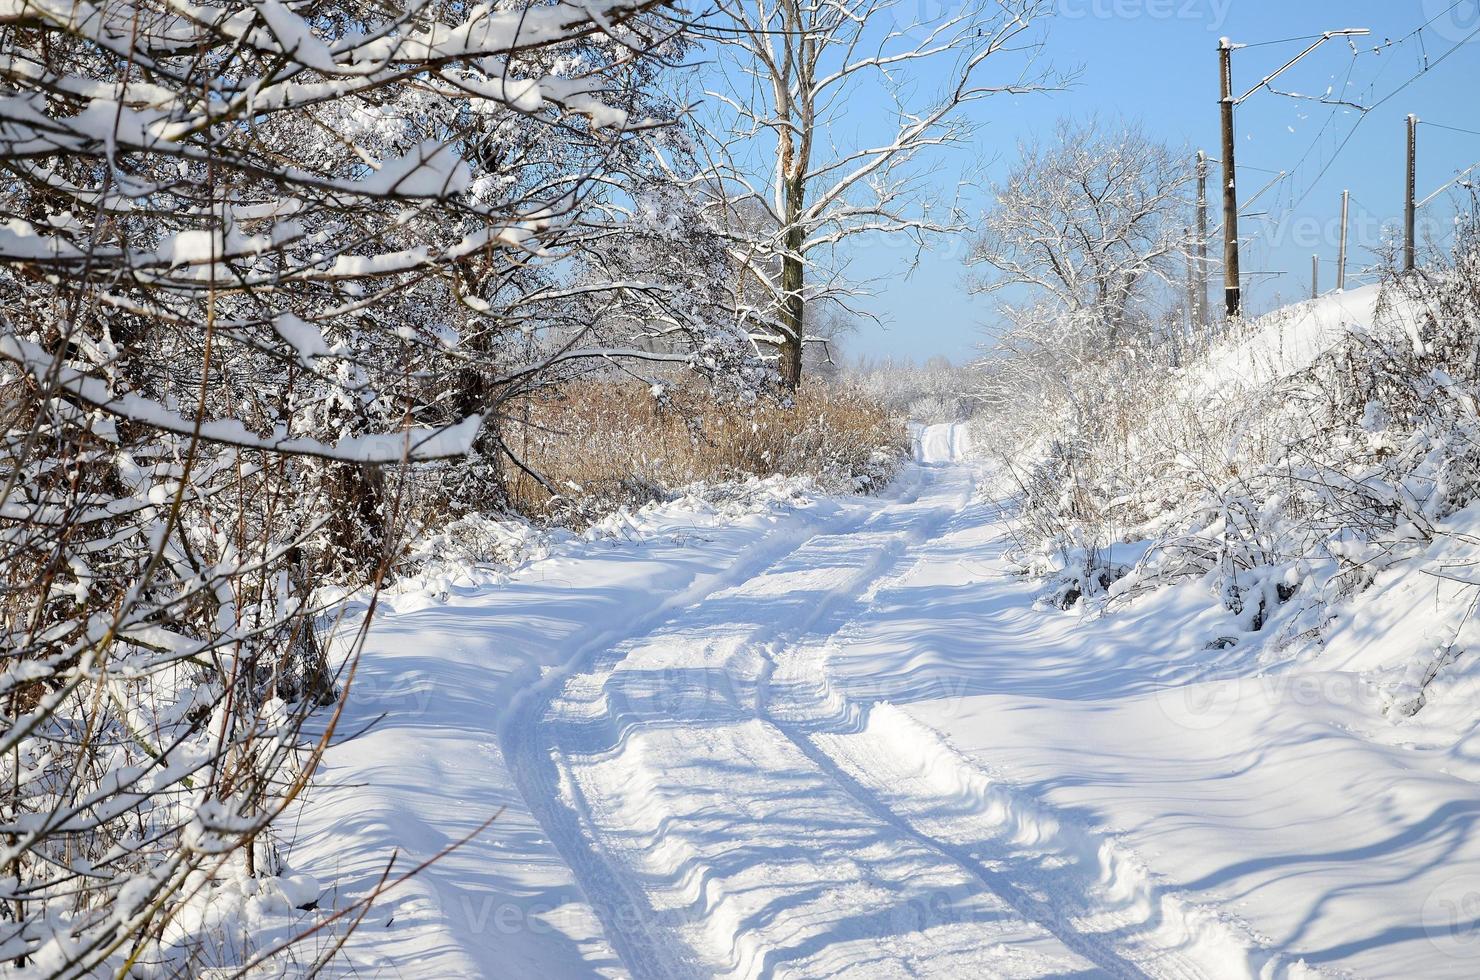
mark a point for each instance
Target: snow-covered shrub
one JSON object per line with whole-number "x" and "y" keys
{"x": 1283, "y": 467}
{"x": 936, "y": 391}
{"x": 932, "y": 409}
{"x": 259, "y": 264}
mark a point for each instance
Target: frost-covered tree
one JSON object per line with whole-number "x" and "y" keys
{"x": 264, "y": 266}
{"x": 1079, "y": 249}
{"x": 794, "y": 182}
{"x": 1081, "y": 233}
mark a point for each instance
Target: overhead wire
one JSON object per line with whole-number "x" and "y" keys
{"x": 1295, "y": 201}
{"x": 1426, "y": 65}
{"x": 1452, "y": 129}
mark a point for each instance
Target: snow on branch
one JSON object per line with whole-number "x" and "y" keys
{"x": 792, "y": 184}
{"x": 410, "y": 445}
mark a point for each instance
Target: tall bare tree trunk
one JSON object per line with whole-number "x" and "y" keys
{"x": 793, "y": 275}
{"x": 807, "y": 60}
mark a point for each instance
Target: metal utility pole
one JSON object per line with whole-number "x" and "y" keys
{"x": 1200, "y": 307}
{"x": 1191, "y": 284}
{"x": 1410, "y": 209}
{"x": 1346, "y": 200}
{"x": 1232, "y": 295}
{"x": 1231, "y": 291}
{"x": 1315, "y": 276}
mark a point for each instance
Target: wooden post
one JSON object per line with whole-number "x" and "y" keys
{"x": 1201, "y": 307}
{"x": 1192, "y": 304}
{"x": 1346, "y": 199}
{"x": 1232, "y": 295}
{"x": 1410, "y": 211}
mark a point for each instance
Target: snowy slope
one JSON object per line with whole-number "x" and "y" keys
{"x": 838, "y": 737}
{"x": 1287, "y": 340}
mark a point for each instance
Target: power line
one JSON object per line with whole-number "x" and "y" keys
{"x": 1283, "y": 40}
{"x": 1378, "y": 104}
{"x": 1424, "y": 71}
{"x": 1330, "y": 118}
{"x": 1452, "y": 129}
{"x": 1320, "y": 134}
{"x": 1362, "y": 206}
{"x": 1428, "y": 66}
{"x": 1376, "y": 48}
{"x": 1457, "y": 179}
{"x": 1336, "y": 109}
{"x": 1420, "y": 28}
{"x": 1417, "y": 32}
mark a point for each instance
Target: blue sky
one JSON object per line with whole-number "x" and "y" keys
{"x": 1155, "y": 61}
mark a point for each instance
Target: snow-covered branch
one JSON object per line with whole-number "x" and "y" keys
{"x": 790, "y": 67}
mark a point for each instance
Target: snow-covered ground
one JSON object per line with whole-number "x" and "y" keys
{"x": 814, "y": 737}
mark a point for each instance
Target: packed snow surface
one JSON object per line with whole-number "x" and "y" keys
{"x": 814, "y": 737}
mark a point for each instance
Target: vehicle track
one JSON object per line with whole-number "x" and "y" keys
{"x": 723, "y": 821}
{"x": 630, "y": 921}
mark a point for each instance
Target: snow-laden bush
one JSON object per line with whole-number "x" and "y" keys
{"x": 261, "y": 265}
{"x": 1283, "y": 467}
{"x": 936, "y": 391}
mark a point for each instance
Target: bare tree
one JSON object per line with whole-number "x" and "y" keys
{"x": 793, "y": 183}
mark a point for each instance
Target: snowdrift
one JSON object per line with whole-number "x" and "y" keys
{"x": 1262, "y": 596}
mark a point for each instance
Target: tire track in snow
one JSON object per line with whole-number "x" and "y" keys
{"x": 628, "y": 918}
{"x": 532, "y": 767}
{"x": 948, "y": 902}
{"x": 641, "y": 932}
{"x": 711, "y": 832}
{"x": 655, "y": 936}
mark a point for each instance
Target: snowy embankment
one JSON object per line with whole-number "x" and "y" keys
{"x": 1280, "y": 797}
{"x": 806, "y": 737}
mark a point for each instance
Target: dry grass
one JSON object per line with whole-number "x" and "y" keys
{"x": 602, "y": 444}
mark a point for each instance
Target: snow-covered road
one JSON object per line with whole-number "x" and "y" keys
{"x": 681, "y": 774}
{"x": 731, "y": 812}
{"x": 774, "y": 744}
